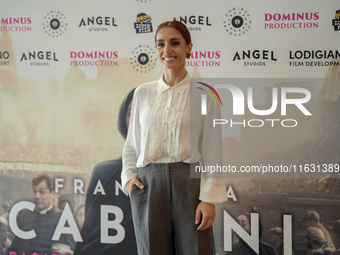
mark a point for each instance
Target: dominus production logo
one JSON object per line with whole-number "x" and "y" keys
{"x": 238, "y": 21}
{"x": 143, "y": 23}
{"x": 291, "y": 20}
{"x": 336, "y": 21}
{"x": 15, "y": 24}
{"x": 204, "y": 59}
{"x": 55, "y": 24}
{"x": 144, "y": 58}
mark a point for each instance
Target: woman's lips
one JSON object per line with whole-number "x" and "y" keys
{"x": 169, "y": 58}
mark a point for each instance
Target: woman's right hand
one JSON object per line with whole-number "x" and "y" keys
{"x": 134, "y": 182}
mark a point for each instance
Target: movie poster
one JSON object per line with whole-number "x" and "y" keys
{"x": 67, "y": 67}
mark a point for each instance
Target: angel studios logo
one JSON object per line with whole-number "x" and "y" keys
{"x": 144, "y": 58}
{"x": 237, "y": 22}
{"x": 55, "y": 24}
{"x": 336, "y": 21}
{"x": 194, "y": 23}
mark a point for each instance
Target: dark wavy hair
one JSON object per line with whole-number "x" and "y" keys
{"x": 44, "y": 177}
{"x": 122, "y": 127}
{"x": 248, "y": 217}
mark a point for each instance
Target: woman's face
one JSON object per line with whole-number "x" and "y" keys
{"x": 171, "y": 48}
{"x": 81, "y": 217}
{"x": 3, "y": 232}
{"x": 243, "y": 221}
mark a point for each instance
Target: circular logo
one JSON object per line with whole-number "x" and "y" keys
{"x": 55, "y": 24}
{"x": 237, "y": 22}
{"x": 144, "y": 59}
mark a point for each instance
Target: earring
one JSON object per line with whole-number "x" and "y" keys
{"x": 188, "y": 55}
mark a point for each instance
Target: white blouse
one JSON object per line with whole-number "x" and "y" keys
{"x": 160, "y": 132}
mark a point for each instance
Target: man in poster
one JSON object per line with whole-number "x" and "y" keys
{"x": 43, "y": 220}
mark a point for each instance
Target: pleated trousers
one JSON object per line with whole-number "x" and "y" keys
{"x": 164, "y": 212}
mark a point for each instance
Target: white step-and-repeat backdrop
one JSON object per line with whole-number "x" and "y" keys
{"x": 66, "y": 66}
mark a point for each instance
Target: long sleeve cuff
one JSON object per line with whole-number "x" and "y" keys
{"x": 213, "y": 190}
{"x": 125, "y": 179}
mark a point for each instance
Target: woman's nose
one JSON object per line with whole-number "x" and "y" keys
{"x": 167, "y": 48}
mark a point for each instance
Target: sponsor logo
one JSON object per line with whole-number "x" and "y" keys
{"x": 293, "y": 20}
{"x": 336, "y": 21}
{"x": 93, "y": 58}
{"x": 4, "y": 56}
{"x": 238, "y": 21}
{"x": 55, "y": 24}
{"x": 254, "y": 57}
{"x": 16, "y": 24}
{"x": 39, "y": 58}
{"x": 204, "y": 59}
{"x": 144, "y": 58}
{"x": 194, "y": 23}
{"x": 96, "y": 24}
{"x": 143, "y": 23}
{"x": 300, "y": 58}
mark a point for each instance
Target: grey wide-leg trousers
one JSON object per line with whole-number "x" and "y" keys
{"x": 164, "y": 212}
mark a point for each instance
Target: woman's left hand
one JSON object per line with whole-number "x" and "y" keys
{"x": 206, "y": 213}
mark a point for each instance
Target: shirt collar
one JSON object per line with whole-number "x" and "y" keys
{"x": 179, "y": 87}
{"x": 45, "y": 211}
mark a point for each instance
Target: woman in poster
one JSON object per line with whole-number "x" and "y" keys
{"x": 4, "y": 241}
{"x": 108, "y": 173}
{"x": 240, "y": 247}
{"x": 172, "y": 213}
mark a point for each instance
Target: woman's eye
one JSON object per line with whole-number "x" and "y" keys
{"x": 160, "y": 45}
{"x": 175, "y": 43}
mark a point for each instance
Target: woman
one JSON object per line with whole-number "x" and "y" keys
{"x": 171, "y": 213}
{"x": 242, "y": 248}
{"x": 66, "y": 198}
{"x": 108, "y": 173}
{"x": 80, "y": 216}
{"x": 4, "y": 241}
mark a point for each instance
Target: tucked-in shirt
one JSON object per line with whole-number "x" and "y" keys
{"x": 163, "y": 130}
